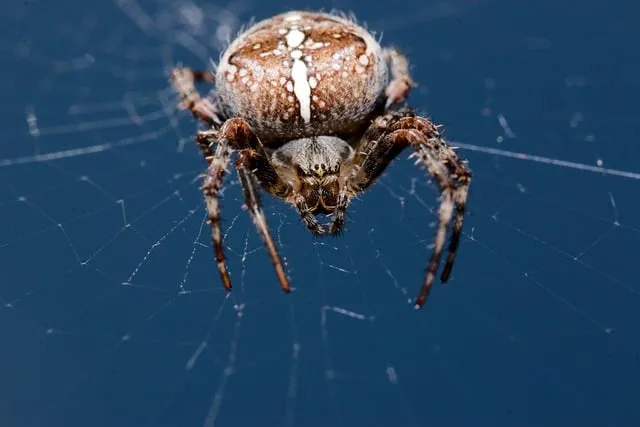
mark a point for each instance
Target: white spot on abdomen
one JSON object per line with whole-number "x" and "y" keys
{"x": 301, "y": 88}
{"x": 294, "y": 38}
{"x": 293, "y": 17}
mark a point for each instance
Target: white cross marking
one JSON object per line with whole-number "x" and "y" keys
{"x": 301, "y": 88}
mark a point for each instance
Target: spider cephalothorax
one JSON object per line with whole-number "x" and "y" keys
{"x": 308, "y": 101}
{"x": 317, "y": 163}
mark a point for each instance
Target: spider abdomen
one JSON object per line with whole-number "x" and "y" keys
{"x": 302, "y": 74}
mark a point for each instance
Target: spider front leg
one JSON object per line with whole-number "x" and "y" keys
{"x": 372, "y": 155}
{"x": 382, "y": 142}
{"x": 183, "y": 81}
{"x": 341, "y": 209}
{"x": 245, "y": 164}
{"x": 459, "y": 172}
{"x": 237, "y": 134}
{"x": 401, "y": 82}
{"x": 210, "y": 188}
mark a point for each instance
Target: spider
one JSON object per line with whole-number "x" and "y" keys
{"x": 309, "y": 101}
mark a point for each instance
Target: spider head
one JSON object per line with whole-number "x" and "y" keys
{"x": 314, "y": 165}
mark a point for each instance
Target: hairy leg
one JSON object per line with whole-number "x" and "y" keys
{"x": 307, "y": 217}
{"x": 236, "y": 134}
{"x": 341, "y": 209}
{"x": 460, "y": 196}
{"x": 437, "y": 169}
{"x": 210, "y": 188}
{"x": 382, "y": 142}
{"x": 461, "y": 175}
{"x": 245, "y": 164}
{"x": 255, "y": 170}
{"x": 401, "y": 81}
{"x": 368, "y": 163}
{"x": 183, "y": 81}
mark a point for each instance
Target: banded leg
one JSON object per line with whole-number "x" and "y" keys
{"x": 367, "y": 165}
{"x": 239, "y": 130}
{"x": 341, "y": 210}
{"x": 308, "y": 218}
{"x": 461, "y": 175}
{"x": 183, "y": 81}
{"x": 437, "y": 169}
{"x": 460, "y": 195}
{"x": 245, "y": 165}
{"x": 386, "y": 138}
{"x": 401, "y": 82}
{"x": 224, "y": 141}
{"x": 210, "y": 188}
{"x": 237, "y": 134}
{"x": 240, "y": 136}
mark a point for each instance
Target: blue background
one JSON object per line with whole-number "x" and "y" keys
{"x": 111, "y": 310}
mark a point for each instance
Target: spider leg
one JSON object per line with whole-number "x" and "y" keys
{"x": 437, "y": 169}
{"x": 211, "y": 187}
{"x": 183, "y": 81}
{"x": 459, "y": 172}
{"x": 244, "y": 165}
{"x": 401, "y": 82}
{"x": 340, "y": 210}
{"x": 426, "y": 151}
{"x": 253, "y": 166}
{"x": 372, "y": 155}
{"x": 382, "y": 142}
{"x": 308, "y": 218}
{"x": 461, "y": 193}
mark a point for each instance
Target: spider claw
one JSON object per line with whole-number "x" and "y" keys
{"x": 444, "y": 277}
{"x": 389, "y": 103}
{"x": 337, "y": 226}
{"x": 226, "y": 282}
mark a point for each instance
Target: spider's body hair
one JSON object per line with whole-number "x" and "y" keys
{"x": 319, "y": 155}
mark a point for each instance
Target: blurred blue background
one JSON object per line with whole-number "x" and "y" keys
{"x": 111, "y": 310}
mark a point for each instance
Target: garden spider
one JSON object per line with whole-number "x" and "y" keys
{"x": 308, "y": 101}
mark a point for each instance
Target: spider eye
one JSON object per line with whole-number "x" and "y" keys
{"x": 321, "y": 169}
{"x": 301, "y": 172}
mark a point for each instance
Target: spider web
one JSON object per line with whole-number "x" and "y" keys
{"x": 112, "y": 313}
